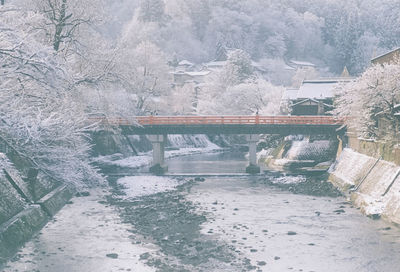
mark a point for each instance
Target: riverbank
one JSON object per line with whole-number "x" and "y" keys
{"x": 27, "y": 202}
{"x": 86, "y": 235}
{"x": 367, "y": 172}
{"x": 372, "y": 184}
{"x": 270, "y": 222}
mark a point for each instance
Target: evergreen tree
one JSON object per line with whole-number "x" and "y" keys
{"x": 152, "y": 10}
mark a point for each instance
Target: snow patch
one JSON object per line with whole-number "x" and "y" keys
{"x": 351, "y": 166}
{"x": 139, "y": 186}
{"x": 289, "y": 180}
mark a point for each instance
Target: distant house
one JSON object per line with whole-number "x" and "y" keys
{"x": 296, "y": 64}
{"x": 183, "y": 77}
{"x": 185, "y": 65}
{"x": 314, "y": 97}
{"x": 388, "y": 57}
{"x": 215, "y": 65}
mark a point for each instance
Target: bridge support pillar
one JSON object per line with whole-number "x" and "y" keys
{"x": 253, "y": 168}
{"x": 158, "y": 166}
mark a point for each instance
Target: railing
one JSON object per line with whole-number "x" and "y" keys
{"x": 221, "y": 120}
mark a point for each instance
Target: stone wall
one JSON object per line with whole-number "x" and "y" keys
{"x": 26, "y": 205}
{"x": 388, "y": 150}
{"x": 372, "y": 184}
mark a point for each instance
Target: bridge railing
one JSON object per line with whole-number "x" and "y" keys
{"x": 219, "y": 120}
{"x": 238, "y": 120}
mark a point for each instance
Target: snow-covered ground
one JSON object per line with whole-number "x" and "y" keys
{"x": 138, "y": 186}
{"x": 279, "y": 231}
{"x": 87, "y": 235}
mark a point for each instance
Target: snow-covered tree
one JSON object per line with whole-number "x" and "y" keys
{"x": 143, "y": 71}
{"x": 65, "y": 20}
{"x": 40, "y": 115}
{"x": 250, "y": 98}
{"x": 370, "y": 98}
{"x": 257, "y": 95}
{"x": 152, "y": 10}
{"x": 183, "y": 99}
{"x": 304, "y": 73}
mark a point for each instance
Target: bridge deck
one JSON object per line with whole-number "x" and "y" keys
{"x": 226, "y": 124}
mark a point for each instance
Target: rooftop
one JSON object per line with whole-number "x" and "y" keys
{"x": 185, "y": 63}
{"x": 302, "y": 63}
{"x": 290, "y": 94}
{"x": 320, "y": 88}
{"x": 216, "y": 63}
{"x": 385, "y": 54}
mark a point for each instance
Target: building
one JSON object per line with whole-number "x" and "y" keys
{"x": 215, "y": 66}
{"x": 184, "y": 65}
{"x": 387, "y": 58}
{"x": 297, "y": 64}
{"x": 314, "y": 97}
{"x": 183, "y": 77}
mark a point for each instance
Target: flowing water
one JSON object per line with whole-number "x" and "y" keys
{"x": 269, "y": 222}
{"x": 199, "y": 218}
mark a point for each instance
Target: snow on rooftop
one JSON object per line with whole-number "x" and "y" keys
{"x": 185, "y": 63}
{"x": 317, "y": 89}
{"x": 199, "y": 73}
{"x": 302, "y": 63}
{"x": 320, "y": 88}
{"x": 291, "y": 94}
{"x": 289, "y": 68}
{"x": 193, "y": 74}
{"x": 387, "y": 53}
{"x": 216, "y": 63}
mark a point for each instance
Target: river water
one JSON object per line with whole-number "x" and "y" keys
{"x": 226, "y": 222}
{"x": 269, "y": 222}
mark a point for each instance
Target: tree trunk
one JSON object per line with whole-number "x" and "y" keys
{"x": 2, "y": 2}
{"x": 60, "y": 26}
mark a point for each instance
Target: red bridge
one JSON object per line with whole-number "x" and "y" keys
{"x": 156, "y": 127}
{"x": 284, "y": 125}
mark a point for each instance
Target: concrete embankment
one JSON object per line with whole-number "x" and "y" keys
{"x": 368, "y": 172}
{"x": 108, "y": 143}
{"x": 303, "y": 154}
{"x": 372, "y": 184}
{"x": 26, "y": 204}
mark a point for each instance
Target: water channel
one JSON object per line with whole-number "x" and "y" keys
{"x": 182, "y": 222}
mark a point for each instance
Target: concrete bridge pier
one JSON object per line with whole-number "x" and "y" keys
{"x": 158, "y": 166}
{"x": 253, "y": 168}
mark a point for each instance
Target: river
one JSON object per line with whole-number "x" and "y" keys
{"x": 269, "y": 222}
{"x": 230, "y": 222}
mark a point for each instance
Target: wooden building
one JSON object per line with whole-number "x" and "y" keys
{"x": 314, "y": 97}
{"x": 389, "y": 57}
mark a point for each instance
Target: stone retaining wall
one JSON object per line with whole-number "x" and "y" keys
{"x": 26, "y": 206}
{"x": 372, "y": 184}
{"x": 389, "y": 151}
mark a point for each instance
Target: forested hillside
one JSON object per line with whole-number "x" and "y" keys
{"x": 332, "y": 33}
